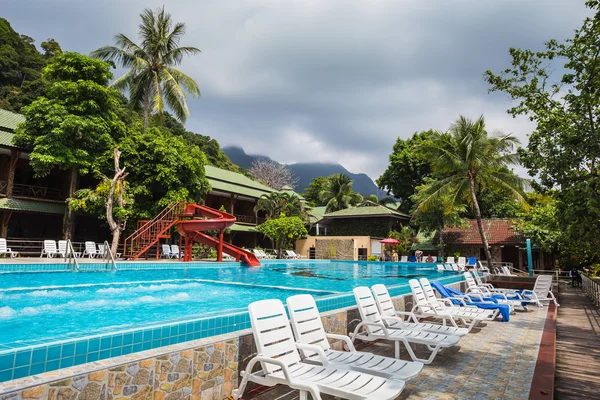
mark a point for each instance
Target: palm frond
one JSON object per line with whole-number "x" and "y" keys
{"x": 174, "y": 95}
{"x": 184, "y": 80}
{"x": 175, "y": 56}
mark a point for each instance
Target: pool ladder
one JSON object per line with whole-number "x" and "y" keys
{"x": 108, "y": 257}
{"x": 71, "y": 258}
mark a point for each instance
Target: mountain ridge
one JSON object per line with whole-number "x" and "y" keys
{"x": 306, "y": 172}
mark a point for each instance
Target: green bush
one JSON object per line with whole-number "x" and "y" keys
{"x": 372, "y": 258}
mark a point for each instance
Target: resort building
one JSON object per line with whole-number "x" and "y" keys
{"x": 507, "y": 245}
{"x": 350, "y": 234}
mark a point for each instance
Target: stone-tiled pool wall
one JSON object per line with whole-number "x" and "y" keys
{"x": 206, "y": 368}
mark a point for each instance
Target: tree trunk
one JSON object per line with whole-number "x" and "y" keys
{"x": 441, "y": 252}
{"x": 146, "y": 109}
{"x": 486, "y": 247}
{"x": 116, "y": 226}
{"x": 10, "y": 179}
{"x": 69, "y": 220}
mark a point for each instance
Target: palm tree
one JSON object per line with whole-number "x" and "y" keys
{"x": 276, "y": 203}
{"x": 466, "y": 157}
{"x": 152, "y": 79}
{"x": 337, "y": 193}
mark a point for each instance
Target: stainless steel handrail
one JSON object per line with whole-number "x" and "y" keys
{"x": 71, "y": 256}
{"x": 108, "y": 257}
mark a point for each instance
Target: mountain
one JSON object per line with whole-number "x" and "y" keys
{"x": 307, "y": 171}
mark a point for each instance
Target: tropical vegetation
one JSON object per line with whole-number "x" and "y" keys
{"x": 463, "y": 158}
{"x": 152, "y": 79}
{"x": 283, "y": 230}
{"x": 558, "y": 88}
{"x": 337, "y": 194}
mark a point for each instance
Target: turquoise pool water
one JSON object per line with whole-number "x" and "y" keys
{"x": 45, "y": 306}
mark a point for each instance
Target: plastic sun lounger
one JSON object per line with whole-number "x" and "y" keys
{"x": 542, "y": 291}
{"x": 50, "y": 249}
{"x": 165, "y": 251}
{"x": 281, "y": 363}
{"x": 373, "y": 328}
{"x": 90, "y": 250}
{"x": 308, "y": 329}
{"x": 489, "y": 286}
{"x": 428, "y": 305}
{"x": 6, "y": 250}
{"x": 386, "y": 309}
{"x": 404, "y": 259}
{"x": 515, "y": 298}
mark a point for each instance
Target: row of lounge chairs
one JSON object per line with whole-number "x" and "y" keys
{"x": 288, "y": 254}
{"x": 91, "y": 249}
{"x": 301, "y": 357}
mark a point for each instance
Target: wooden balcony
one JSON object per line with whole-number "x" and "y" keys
{"x": 249, "y": 219}
{"x": 33, "y": 192}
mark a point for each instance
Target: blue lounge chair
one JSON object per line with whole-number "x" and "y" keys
{"x": 473, "y": 300}
{"x": 412, "y": 259}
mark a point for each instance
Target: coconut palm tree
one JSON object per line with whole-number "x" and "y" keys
{"x": 152, "y": 79}
{"x": 467, "y": 157}
{"x": 337, "y": 193}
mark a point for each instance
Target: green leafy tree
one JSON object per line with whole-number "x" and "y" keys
{"x": 75, "y": 124}
{"x": 559, "y": 90}
{"x": 283, "y": 230}
{"x": 162, "y": 169}
{"x": 540, "y": 223}
{"x": 406, "y": 170}
{"x": 337, "y": 193}
{"x": 466, "y": 156}
{"x": 313, "y": 191}
{"x": 372, "y": 198}
{"x": 153, "y": 79}
{"x": 20, "y": 69}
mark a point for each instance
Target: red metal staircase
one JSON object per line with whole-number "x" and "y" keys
{"x": 149, "y": 234}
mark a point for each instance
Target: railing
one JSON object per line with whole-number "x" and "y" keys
{"x": 33, "y": 247}
{"x": 249, "y": 219}
{"x": 32, "y": 191}
{"x": 591, "y": 286}
{"x": 142, "y": 239}
{"x": 71, "y": 258}
{"x": 108, "y": 257}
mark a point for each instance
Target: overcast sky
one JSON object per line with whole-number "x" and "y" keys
{"x": 308, "y": 80}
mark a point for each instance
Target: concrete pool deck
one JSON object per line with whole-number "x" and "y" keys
{"x": 497, "y": 362}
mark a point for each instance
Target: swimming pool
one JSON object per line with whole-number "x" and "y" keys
{"x": 115, "y": 313}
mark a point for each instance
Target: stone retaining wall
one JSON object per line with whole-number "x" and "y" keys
{"x": 206, "y": 369}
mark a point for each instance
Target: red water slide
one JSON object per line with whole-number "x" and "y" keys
{"x": 191, "y": 229}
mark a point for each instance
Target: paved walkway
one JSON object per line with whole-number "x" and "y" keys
{"x": 577, "y": 347}
{"x": 497, "y": 362}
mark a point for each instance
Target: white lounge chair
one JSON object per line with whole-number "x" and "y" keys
{"x": 6, "y": 250}
{"x": 386, "y": 308}
{"x": 440, "y": 268}
{"x": 281, "y": 363}
{"x": 63, "y": 248}
{"x": 517, "y": 299}
{"x": 431, "y": 298}
{"x": 165, "y": 251}
{"x": 175, "y": 252}
{"x": 257, "y": 254}
{"x": 462, "y": 262}
{"x": 450, "y": 260}
{"x": 373, "y": 328}
{"x": 90, "y": 250}
{"x": 444, "y": 309}
{"x": 50, "y": 249}
{"x": 488, "y": 286}
{"x": 293, "y": 254}
{"x": 404, "y": 259}
{"x": 507, "y": 271}
{"x": 542, "y": 291}
{"x": 308, "y": 329}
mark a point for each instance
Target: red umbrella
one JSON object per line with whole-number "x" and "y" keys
{"x": 390, "y": 241}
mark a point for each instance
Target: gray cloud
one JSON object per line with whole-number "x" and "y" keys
{"x": 327, "y": 80}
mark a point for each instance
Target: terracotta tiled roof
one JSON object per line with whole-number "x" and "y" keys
{"x": 497, "y": 231}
